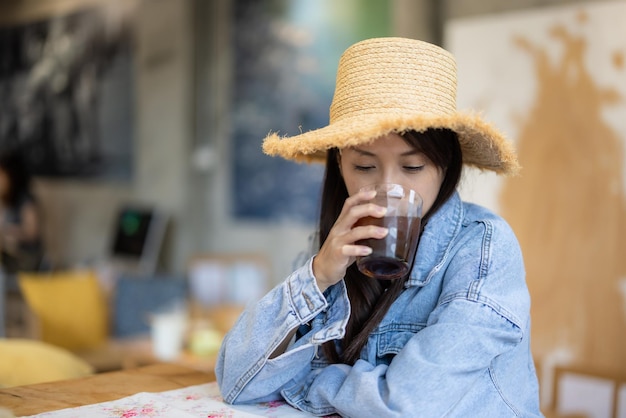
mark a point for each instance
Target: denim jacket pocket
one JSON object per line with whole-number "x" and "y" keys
{"x": 392, "y": 338}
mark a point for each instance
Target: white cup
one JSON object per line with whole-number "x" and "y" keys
{"x": 168, "y": 332}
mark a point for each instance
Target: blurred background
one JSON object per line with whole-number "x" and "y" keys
{"x": 141, "y": 124}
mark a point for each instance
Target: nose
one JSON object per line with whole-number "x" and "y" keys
{"x": 390, "y": 175}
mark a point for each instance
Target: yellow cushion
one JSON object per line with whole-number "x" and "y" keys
{"x": 70, "y": 307}
{"x": 25, "y": 362}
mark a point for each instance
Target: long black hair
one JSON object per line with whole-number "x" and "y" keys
{"x": 368, "y": 299}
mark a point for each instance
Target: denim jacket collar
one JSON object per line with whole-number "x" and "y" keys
{"x": 436, "y": 241}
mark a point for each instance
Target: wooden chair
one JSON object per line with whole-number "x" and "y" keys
{"x": 587, "y": 392}
{"x": 70, "y": 307}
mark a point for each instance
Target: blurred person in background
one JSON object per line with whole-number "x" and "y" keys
{"x": 20, "y": 222}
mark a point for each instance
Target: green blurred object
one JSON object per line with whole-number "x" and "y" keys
{"x": 205, "y": 342}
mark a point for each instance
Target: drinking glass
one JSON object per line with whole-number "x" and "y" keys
{"x": 392, "y": 256}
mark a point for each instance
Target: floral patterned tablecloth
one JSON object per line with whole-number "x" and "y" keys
{"x": 193, "y": 401}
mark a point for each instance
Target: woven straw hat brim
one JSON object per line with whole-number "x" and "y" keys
{"x": 386, "y": 85}
{"x": 481, "y": 144}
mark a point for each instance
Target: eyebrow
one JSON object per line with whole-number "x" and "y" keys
{"x": 412, "y": 151}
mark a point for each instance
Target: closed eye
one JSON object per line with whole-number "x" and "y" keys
{"x": 363, "y": 167}
{"x": 413, "y": 168}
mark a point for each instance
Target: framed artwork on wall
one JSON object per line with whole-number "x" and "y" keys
{"x": 66, "y": 94}
{"x": 285, "y": 58}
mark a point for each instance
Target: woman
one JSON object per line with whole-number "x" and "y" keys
{"x": 451, "y": 338}
{"x": 20, "y": 234}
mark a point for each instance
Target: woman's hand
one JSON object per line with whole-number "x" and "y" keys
{"x": 340, "y": 248}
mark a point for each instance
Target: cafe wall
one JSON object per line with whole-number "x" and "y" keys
{"x": 78, "y": 213}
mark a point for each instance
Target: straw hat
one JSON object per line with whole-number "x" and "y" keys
{"x": 389, "y": 85}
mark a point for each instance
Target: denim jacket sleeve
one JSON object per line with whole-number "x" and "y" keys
{"x": 244, "y": 371}
{"x": 428, "y": 378}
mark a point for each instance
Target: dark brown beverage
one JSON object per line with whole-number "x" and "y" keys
{"x": 384, "y": 268}
{"x": 393, "y": 255}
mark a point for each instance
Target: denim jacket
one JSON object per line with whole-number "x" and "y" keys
{"x": 455, "y": 343}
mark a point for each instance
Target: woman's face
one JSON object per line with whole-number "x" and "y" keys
{"x": 389, "y": 159}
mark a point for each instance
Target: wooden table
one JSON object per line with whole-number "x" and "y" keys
{"x": 137, "y": 352}
{"x": 44, "y": 397}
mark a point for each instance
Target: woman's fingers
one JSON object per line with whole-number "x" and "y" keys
{"x": 359, "y": 233}
{"x": 357, "y": 209}
{"x": 356, "y": 250}
{"x": 354, "y": 202}
{"x": 359, "y": 197}
{"x": 365, "y": 210}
